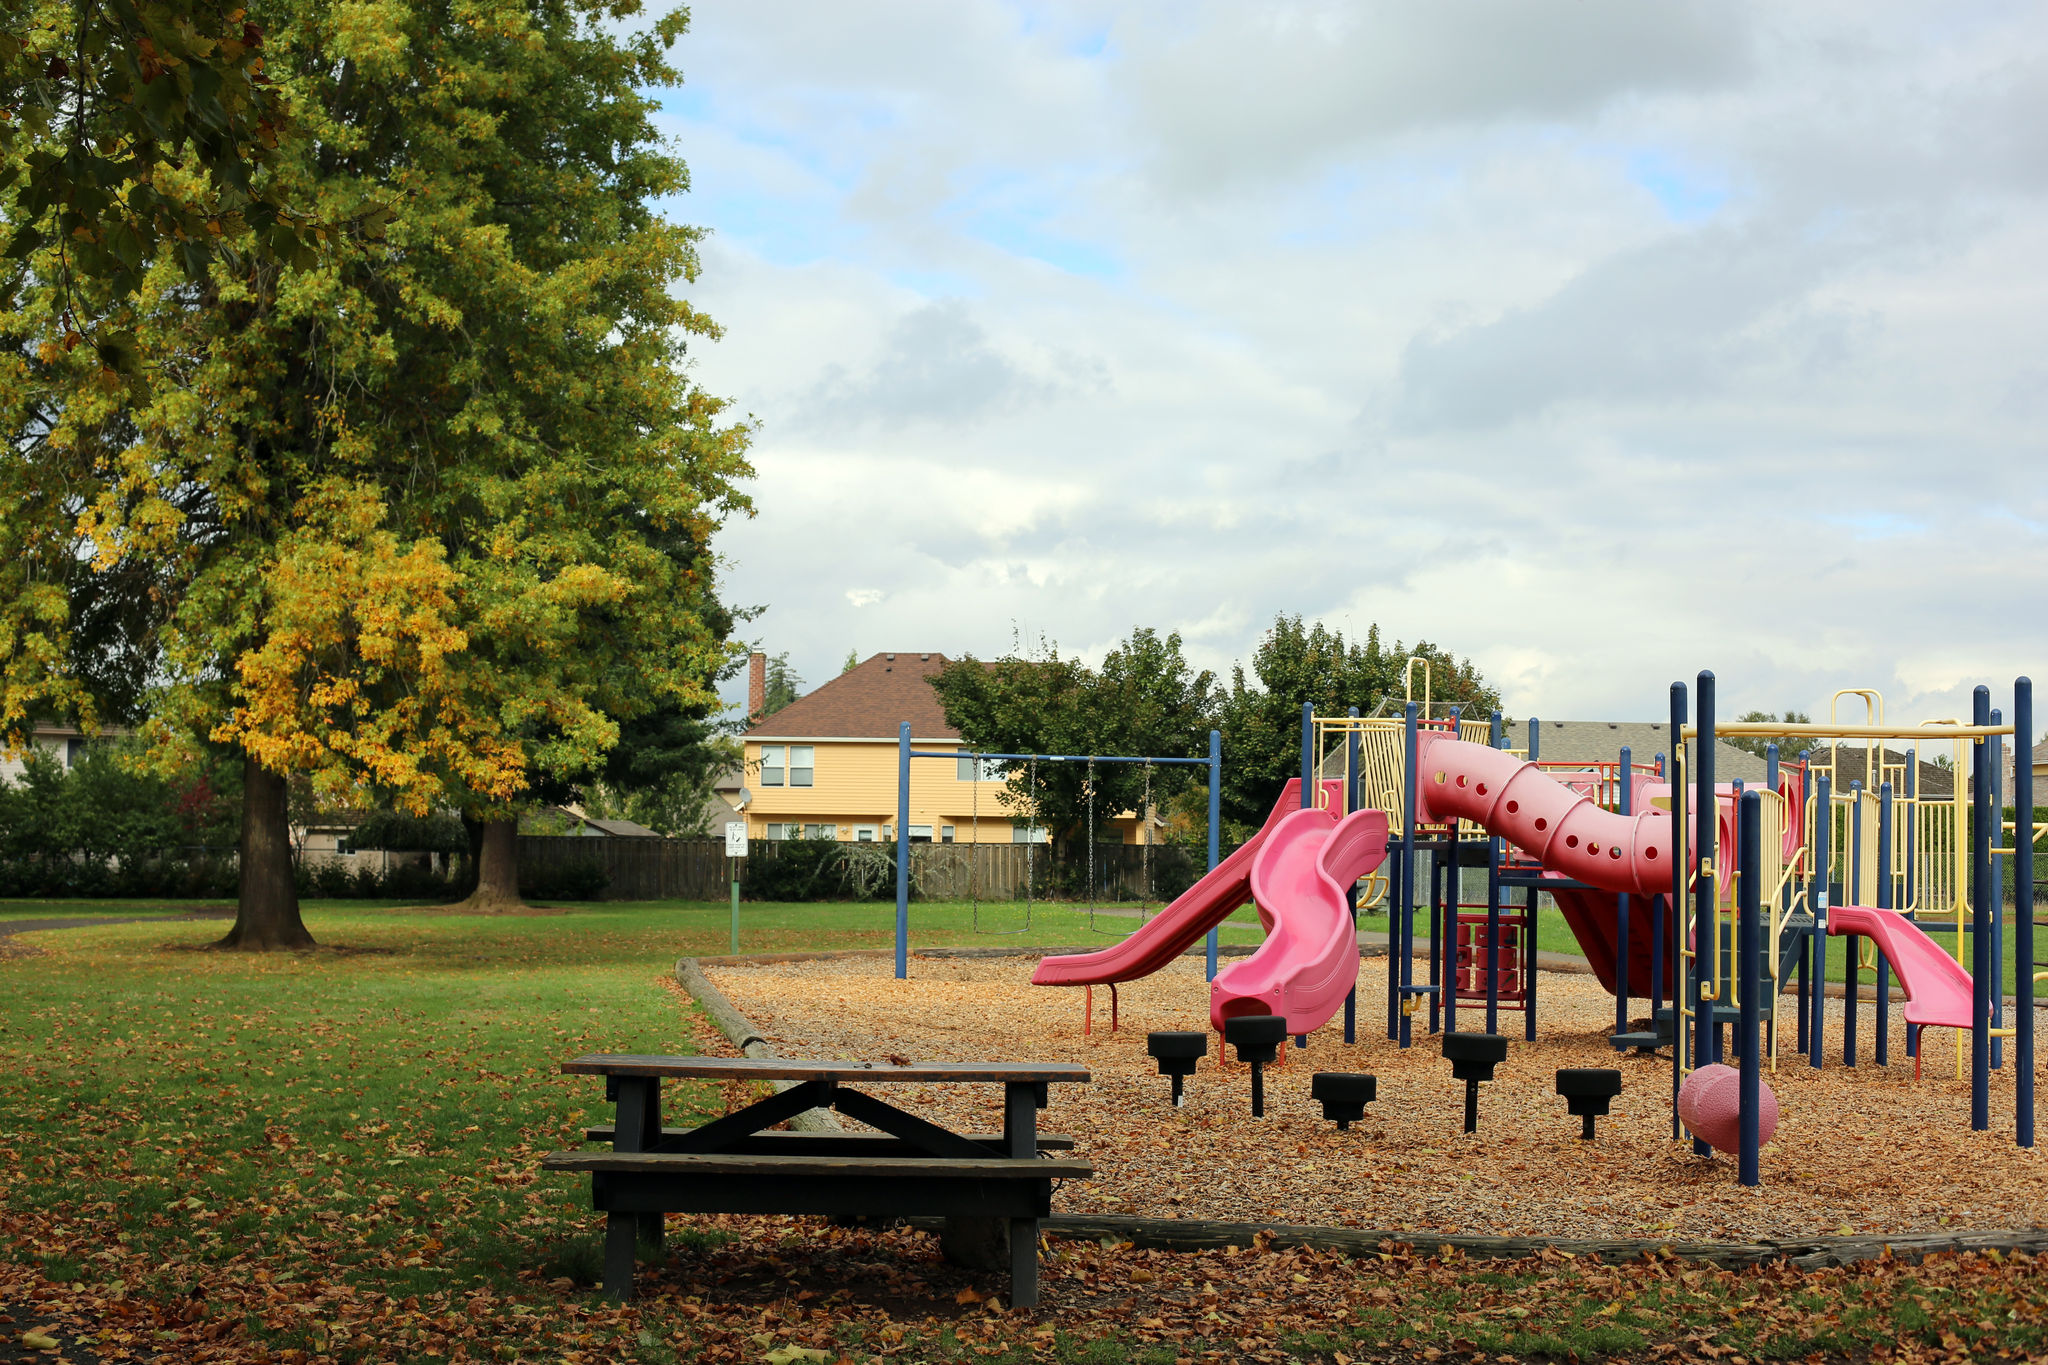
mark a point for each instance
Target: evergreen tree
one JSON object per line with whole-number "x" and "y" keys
{"x": 414, "y": 518}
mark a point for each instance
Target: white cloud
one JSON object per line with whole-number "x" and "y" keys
{"x": 1599, "y": 341}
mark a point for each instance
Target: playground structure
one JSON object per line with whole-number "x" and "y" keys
{"x": 1712, "y": 921}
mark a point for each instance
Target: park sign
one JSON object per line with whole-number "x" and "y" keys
{"x": 735, "y": 838}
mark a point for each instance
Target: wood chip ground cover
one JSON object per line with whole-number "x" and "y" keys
{"x": 1863, "y": 1150}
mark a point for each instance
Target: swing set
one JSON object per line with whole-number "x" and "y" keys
{"x": 1094, "y": 885}
{"x": 1214, "y": 763}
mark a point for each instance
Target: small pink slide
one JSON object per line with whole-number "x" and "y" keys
{"x": 1309, "y": 961}
{"x": 1938, "y": 991}
{"x": 1192, "y": 914}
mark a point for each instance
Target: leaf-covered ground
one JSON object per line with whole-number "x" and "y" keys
{"x": 330, "y": 1156}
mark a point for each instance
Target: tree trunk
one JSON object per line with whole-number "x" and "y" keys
{"x": 267, "y": 913}
{"x": 497, "y": 869}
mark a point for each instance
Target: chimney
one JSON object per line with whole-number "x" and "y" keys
{"x": 757, "y": 682}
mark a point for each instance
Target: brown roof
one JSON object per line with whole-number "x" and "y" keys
{"x": 867, "y": 701}
{"x": 1930, "y": 780}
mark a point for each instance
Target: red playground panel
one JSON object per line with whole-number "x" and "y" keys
{"x": 1472, "y": 954}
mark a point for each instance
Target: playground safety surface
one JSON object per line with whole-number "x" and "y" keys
{"x": 1862, "y": 1151}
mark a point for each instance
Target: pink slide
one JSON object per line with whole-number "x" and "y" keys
{"x": 1309, "y": 961}
{"x": 1938, "y": 991}
{"x": 1192, "y": 914}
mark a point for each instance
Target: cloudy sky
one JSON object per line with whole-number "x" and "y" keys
{"x": 1602, "y": 341}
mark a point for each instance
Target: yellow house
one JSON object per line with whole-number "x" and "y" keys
{"x": 824, "y": 767}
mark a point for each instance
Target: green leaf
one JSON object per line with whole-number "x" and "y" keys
{"x": 25, "y": 240}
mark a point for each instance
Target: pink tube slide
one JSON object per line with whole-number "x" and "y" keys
{"x": 1561, "y": 828}
{"x": 1309, "y": 961}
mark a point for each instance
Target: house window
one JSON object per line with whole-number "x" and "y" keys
{"x": 821, "y": 831}
{"x": 945, "y": 834}
{"x": 776, "y": 831}
{"x": 1028, "y": 834}
{"x": 864, "y": 834}
{"x": 979, "y": 770}
{"x": 74, "y": 749}
{"x": 800, "y": 764}
{"x": 920, "y": 834}
{"x": 771, "y": 769}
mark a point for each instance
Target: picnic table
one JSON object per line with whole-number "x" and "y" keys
{"x": 912, "y": 1167}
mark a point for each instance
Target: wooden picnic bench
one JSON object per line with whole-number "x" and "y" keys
{"x": 911, "y": 1168}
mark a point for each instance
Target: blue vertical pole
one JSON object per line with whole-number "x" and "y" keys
{"x": 1215, "y": 827}
{"x": 2023, "y": 910}
{"x": 1446, "y": 889}
{"x": 1401, "y": 930}
{"x": 1493, "y": 909}
{"x": 1775, "y": 949}
{"x": 1679, "y": 814}
{"x": 1982, "y": 892}
{"x": 903, "y": 850}
{"x": 1823, "y": 834}
{"x": 1883, "y": 1042}
{"x": 1706, "y": 923}
{"x": 1351, "y": 891}
{"x": 1912, "y": 896}
{"x": 1535, "y": 739}
{"x": 1748, "y": 945}
{"x": 1852, "y": 973}
{"x": 1997, "y": 743}
{"x": 1805, "y": 959}
{"x": 1625, "y": 802}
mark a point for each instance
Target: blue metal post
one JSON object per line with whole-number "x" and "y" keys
{"x": 1493, "y": 909}
{"x": 1215, "y": 827}
{"x": 1308, "y": 754}
{"x": 1678, "y": 873}
{"x": 1982, "y": 892}
{"x": 1706, "y": 924}
{"x": 1997, "y": 743}
{"x": 1351, "y": 891}
{"x": 1883, "y": 1042}
{"x": 1909, "y": 897}
{"x": 1748, "y": 945}
{"x": 1624, "y": 800}
{"x": 1402, "y": 929}
{"x": 903, "y": 850}
{"x": 1805, "y": 958}
{"x": 1823, "y": 835}
{"x": 1446, "y": 890}
{"x": 2023, "y": 910}
{"x": 1852, "y": 971}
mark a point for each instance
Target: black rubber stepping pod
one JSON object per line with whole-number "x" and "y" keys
{"x": 1177, "y": 1054}
{"x": 1344, "y": 1095}
{"x": 1587, "y": 1090}
{"x": 1473, "y": 1056}
{"x": 1257, "y": 1038}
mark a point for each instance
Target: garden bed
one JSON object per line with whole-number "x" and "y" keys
{"x": 1863, "y": 1151}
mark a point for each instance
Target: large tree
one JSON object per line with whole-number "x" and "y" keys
{"x": 1296, "y": 663}
{"x": 411, "y": 517}
{"x": 1145, "y": 700}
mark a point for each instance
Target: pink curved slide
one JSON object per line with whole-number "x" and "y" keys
{"x": 1309, "y": 961}
{"x": 1939, "y": 992}
{"x": 1192, "y": 914}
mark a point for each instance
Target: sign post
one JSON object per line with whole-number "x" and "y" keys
{"x": 735, "y": 849}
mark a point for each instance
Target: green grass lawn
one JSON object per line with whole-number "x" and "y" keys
{"x": 331, "y": 1155}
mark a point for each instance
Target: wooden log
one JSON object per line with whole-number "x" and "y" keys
{"x": 740, "y": 1031}
{"x": 1195, "y": 1234}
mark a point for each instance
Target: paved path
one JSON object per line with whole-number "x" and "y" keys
{"x": 24, "y": 926}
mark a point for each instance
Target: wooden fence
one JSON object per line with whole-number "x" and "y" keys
{"x": 696, "y": 869}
